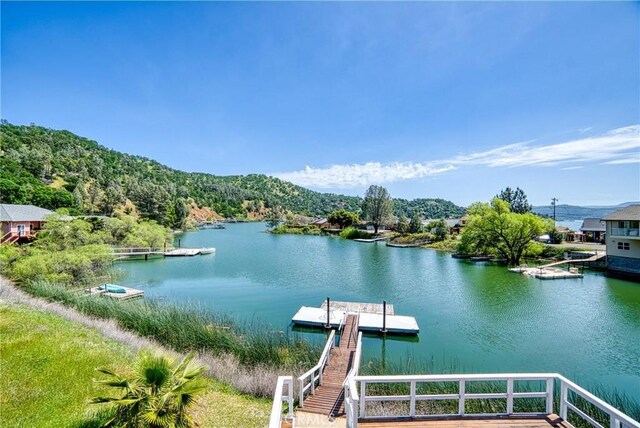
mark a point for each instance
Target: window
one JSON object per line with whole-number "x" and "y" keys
{"x": 621, "y": 224}
{"x": 623, "y": 245}
{"x": 634, "y": 224}
{"x": 619, "y": 245}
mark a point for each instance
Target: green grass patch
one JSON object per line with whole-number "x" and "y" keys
{"x": 48, "y": 366}
{"x": 352, "y": 233}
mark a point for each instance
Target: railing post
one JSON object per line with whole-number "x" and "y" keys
{"x": 290, "y": 398}
{"x": 461, "y": 398}
{"x": 363, "y": 387}
{"x": 412, "y": 405}
{"x": 313, "y": 382}
{"x": 509, "y": 396}
{"x": 301, "y": 392}
{"x": 564, "y": 392}
{"x": 549, "y": 407}
{"x": 613, "y": 422}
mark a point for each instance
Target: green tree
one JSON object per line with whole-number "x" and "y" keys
{"x": 343, "y": 218}
{"x": 439, "y": 229}
{"x": 377, "y": 206}
{"x": 274, "y": 217}
{"x": 402, "y": 226}
{"x": 415, "y": 225}
{"x": 111, "y": 199}
{"x": 159, "y": 395}
{"x": 516, "y": 199}
{"x": 494, "y": 228}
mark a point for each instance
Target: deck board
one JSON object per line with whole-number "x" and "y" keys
{"x": 504, "y": 422}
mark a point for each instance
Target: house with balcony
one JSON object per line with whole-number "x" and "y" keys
{"x": 21, "y": 222}
{"x": 623, "y": 242}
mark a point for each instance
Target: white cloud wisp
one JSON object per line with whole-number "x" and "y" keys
{"x": 618, "y": 146}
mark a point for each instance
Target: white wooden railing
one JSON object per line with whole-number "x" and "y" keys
{"x": 278, "y": 398}
{"x": 308, "y": 380}
{"x": 349, "y": 385}
{"x": 355, "y": 403}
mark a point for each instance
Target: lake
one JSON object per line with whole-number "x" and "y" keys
{"x": 473, "y": 317}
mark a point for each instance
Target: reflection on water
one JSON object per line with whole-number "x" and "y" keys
{"x": 476, "y": 316}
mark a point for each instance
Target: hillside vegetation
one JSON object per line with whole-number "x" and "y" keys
{"x": 54, "y": 169}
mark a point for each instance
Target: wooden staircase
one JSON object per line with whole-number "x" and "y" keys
{"x": 329, "y": 397}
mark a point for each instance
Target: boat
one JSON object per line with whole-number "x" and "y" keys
{"x": 210, "y": 250}
{"x": 480, "y": 258}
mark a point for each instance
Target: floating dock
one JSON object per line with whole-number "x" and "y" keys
{"x": 370, "y": 319}
{"x": 130, "y": 293}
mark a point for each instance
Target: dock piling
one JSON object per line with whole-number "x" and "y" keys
{"x": 328, "y": 325}
{"x": 384, "y": 316}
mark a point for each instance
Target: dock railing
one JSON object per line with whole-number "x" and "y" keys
{"x": 349, "y": 385}
{"x": 278, "y": 398}
{"x": 356, "y": 402}
{"x": 308, "y": 380}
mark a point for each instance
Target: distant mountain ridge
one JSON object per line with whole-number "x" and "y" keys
{"x": 54, "y": 169}
{"x": 566, "y": 212}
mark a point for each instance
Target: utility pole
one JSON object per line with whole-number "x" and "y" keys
{"x": 553, "y": 204}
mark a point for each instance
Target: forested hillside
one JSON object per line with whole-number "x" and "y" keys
{"x": 55, "y": 169}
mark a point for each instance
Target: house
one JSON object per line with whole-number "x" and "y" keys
{"x": 454, "y": 225}
{"x": 21, "y": 222}
{"x": 623, "y": 242}
{"x": 323, "y": 223}
{"x": 593, "y": 229}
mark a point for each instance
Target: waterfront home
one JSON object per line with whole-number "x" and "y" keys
{"x": 623, "y": 242}
{"x": 323, "y": 223}
{"x": 21, "y": 222}
{"x": 593, "y": 229}
{"x": 455, "y": 225}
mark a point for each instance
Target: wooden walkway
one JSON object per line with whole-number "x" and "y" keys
{"x": 589, "y": 259}
{"x": 329, "y": 397}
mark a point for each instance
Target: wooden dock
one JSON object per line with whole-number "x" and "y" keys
{"x": 329, "y": 397}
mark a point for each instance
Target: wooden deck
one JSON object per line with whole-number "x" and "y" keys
{"x": 504, "y": 422}
{"x": 329, "y": 397}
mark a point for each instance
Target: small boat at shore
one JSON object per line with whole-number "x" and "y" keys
{"x": 480, "y": 258}
{"x": 207, "y": 250}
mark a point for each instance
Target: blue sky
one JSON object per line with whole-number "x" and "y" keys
{"x": 451, "y": 100}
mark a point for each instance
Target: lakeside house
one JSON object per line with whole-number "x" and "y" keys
{"x": 454, "y": 225}
{"x": 623, "y": 242}
{"x": 593, "y": 229}
{"x": 323, "y": 223}
{"x": 21, "y": 222}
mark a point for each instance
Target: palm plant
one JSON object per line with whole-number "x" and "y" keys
{"x": 158, "y": 396}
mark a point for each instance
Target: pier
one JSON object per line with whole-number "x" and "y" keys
{"x": 373, "y": 317}
{"x": 103, "y": 291}
{"x": 146, "y": 252}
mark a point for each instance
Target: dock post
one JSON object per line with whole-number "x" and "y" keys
{"x": 328, "y": 313}
{"x": 178, "y": 243}
{"x": 384, "y": 316}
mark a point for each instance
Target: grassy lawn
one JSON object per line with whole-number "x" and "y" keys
{"x": 47, "y": 365}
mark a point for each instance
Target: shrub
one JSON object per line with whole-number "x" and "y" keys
{"x": 351, "y": 233}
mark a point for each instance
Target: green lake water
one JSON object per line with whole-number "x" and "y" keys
{"x": 472, "y": 317}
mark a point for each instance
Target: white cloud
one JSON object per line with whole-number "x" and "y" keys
{"x": 569, "y": 168}
{"x": 358, "y": 175}
{"x": 618, "y": 146}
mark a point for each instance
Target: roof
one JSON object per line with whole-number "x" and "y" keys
{"x": 593, "y": 225}
{"x": 451, "y": 222}
{"x": 320, "y": 221}
{"x": 10, "y": 212}
{"x": 632, "y": 212}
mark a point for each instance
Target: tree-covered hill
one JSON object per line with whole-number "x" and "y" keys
{"x": 55, "y": 169}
